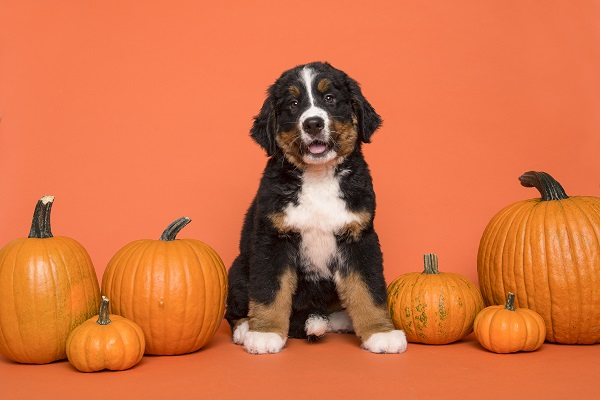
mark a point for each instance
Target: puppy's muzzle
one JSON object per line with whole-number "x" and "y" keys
{"x": 318, "y": 137}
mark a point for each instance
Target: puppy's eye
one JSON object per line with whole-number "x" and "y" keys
{"x": 329, "y": 99}
{"x": 294, "y": 104}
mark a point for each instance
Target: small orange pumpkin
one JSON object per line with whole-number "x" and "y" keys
{"x": 547, "y": 252}
{"x": 433, "y": 307}
{"x": 173, "y": 289}
{"x": 504, "y": 329}
{"x": 48, "y": 286}
{"x": 105, "y": 342}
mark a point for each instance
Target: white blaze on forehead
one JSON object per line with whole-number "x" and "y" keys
{"x": 308, "y": 76}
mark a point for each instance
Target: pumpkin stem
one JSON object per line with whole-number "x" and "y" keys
{"x": 510, "y": 302}
{"x": 548, "y": 187}
{"x": 431, "y": 264}
{"x": 172, "y": 230}
{"x": 103, "y": 318}
{"x": 40, "y": 225}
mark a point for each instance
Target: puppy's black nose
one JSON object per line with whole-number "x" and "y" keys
{"x": 313, "y": 125}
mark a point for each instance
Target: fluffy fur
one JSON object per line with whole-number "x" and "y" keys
{"x": 309, "y": 256}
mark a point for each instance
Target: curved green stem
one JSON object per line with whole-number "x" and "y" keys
{"x": 548, "y": 187}
{"x": 173, "y": 229}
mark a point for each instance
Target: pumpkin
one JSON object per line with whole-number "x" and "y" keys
{"x": 433, "y": 307}
{"x": 547, "y": 252}
{"x": 105, "y": 342}
{"x": 48, "y": 286}
{"x": 174, "y": 289}
{"x": 504, "y": 329}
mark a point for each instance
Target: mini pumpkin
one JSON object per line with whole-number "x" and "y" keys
{"x": 105, "y": 342}
{"x": 504, "y": 329}
{"x": 547, "y": 252}
{"x": 48, "y": 286}
{"x": 174, "y": 289}
{"x": 433, "y": 307}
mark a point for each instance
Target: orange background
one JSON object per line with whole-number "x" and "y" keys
{"x": 135, "y": 113}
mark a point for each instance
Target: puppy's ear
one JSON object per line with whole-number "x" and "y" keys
{"x": 263, "y": 130}
{"x": 368, "y": 120}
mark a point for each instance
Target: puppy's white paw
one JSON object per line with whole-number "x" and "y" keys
{"x": 316, "y": 325}
{"x": 340, "y": 322}
{"x": 386, "y": 342}
{"x": 240, "y": 333}
{"x": 263, "y": 342}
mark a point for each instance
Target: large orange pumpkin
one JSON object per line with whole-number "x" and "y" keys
{"x": 433, "y": 307}
{"x": 547, "y": 252}
{"x": 174, "y": 289}
{"x": 48, "y": 286}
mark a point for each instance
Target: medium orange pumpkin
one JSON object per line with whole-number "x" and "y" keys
{"x": 433, "y": 307}
{"x": 48, "y": 286}
{"x": 504, "y": 329}
{"x": 105, "y": 342}
{"x": 547, "y": 252}
{"x": 174, "y": 289}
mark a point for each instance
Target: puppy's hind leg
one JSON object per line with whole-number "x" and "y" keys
{"x": 340, "y": 322}
{"x": 316, "y": 325}
{"x": 308, "y": 324}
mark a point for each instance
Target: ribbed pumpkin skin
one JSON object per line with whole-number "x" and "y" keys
{"x": 174, "y": 290}
{"x": 47, "y": 288}
{"x": 505, "y": 331}
{"x": 116, "y": 346}
{"x": 548, "y": 254}
{"x": 433, "y": 308}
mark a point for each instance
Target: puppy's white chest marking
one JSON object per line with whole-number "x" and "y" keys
{"x": 319, "y": 215}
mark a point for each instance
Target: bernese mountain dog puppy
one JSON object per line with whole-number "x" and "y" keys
{"x": 310, "y": 260}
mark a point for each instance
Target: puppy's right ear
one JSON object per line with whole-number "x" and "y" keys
{"x": 264, "y": 128}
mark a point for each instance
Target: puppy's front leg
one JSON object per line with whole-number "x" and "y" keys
{"x": 268, "y": 323}
{"x": 371, "y": 320}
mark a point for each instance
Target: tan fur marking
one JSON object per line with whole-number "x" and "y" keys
{"x": 275, "y": 317}
{"x": 354, "y": 229}
{"x": 294, "y": 90}
{"x": 278, "y": 221}
{"x": 289, "y": 143}
{"x": 345, "y": 135}
{"x": 367, "y": 317}
{"x": 323, "y": 85}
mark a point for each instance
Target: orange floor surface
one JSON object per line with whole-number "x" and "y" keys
{"x": 335, "y": 368}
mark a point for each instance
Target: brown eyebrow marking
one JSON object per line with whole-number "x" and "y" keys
{"x": 294, "y": 90}
{"x": 323, "y": 85}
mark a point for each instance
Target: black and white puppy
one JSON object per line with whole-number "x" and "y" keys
{"x": 310, "y": 260}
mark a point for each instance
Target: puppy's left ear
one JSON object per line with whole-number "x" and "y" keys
{"x": 368, "y": 120}
{"x": 263, "y": 129}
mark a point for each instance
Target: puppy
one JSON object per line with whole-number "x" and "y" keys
{"x": 310, "y": 260}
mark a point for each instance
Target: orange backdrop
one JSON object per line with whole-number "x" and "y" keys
{"x": 135, "y": 113}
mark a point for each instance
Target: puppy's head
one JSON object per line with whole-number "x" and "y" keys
{"x": 314, "y": 114}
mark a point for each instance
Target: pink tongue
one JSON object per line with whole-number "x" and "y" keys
{"x": 317, "y": 148}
